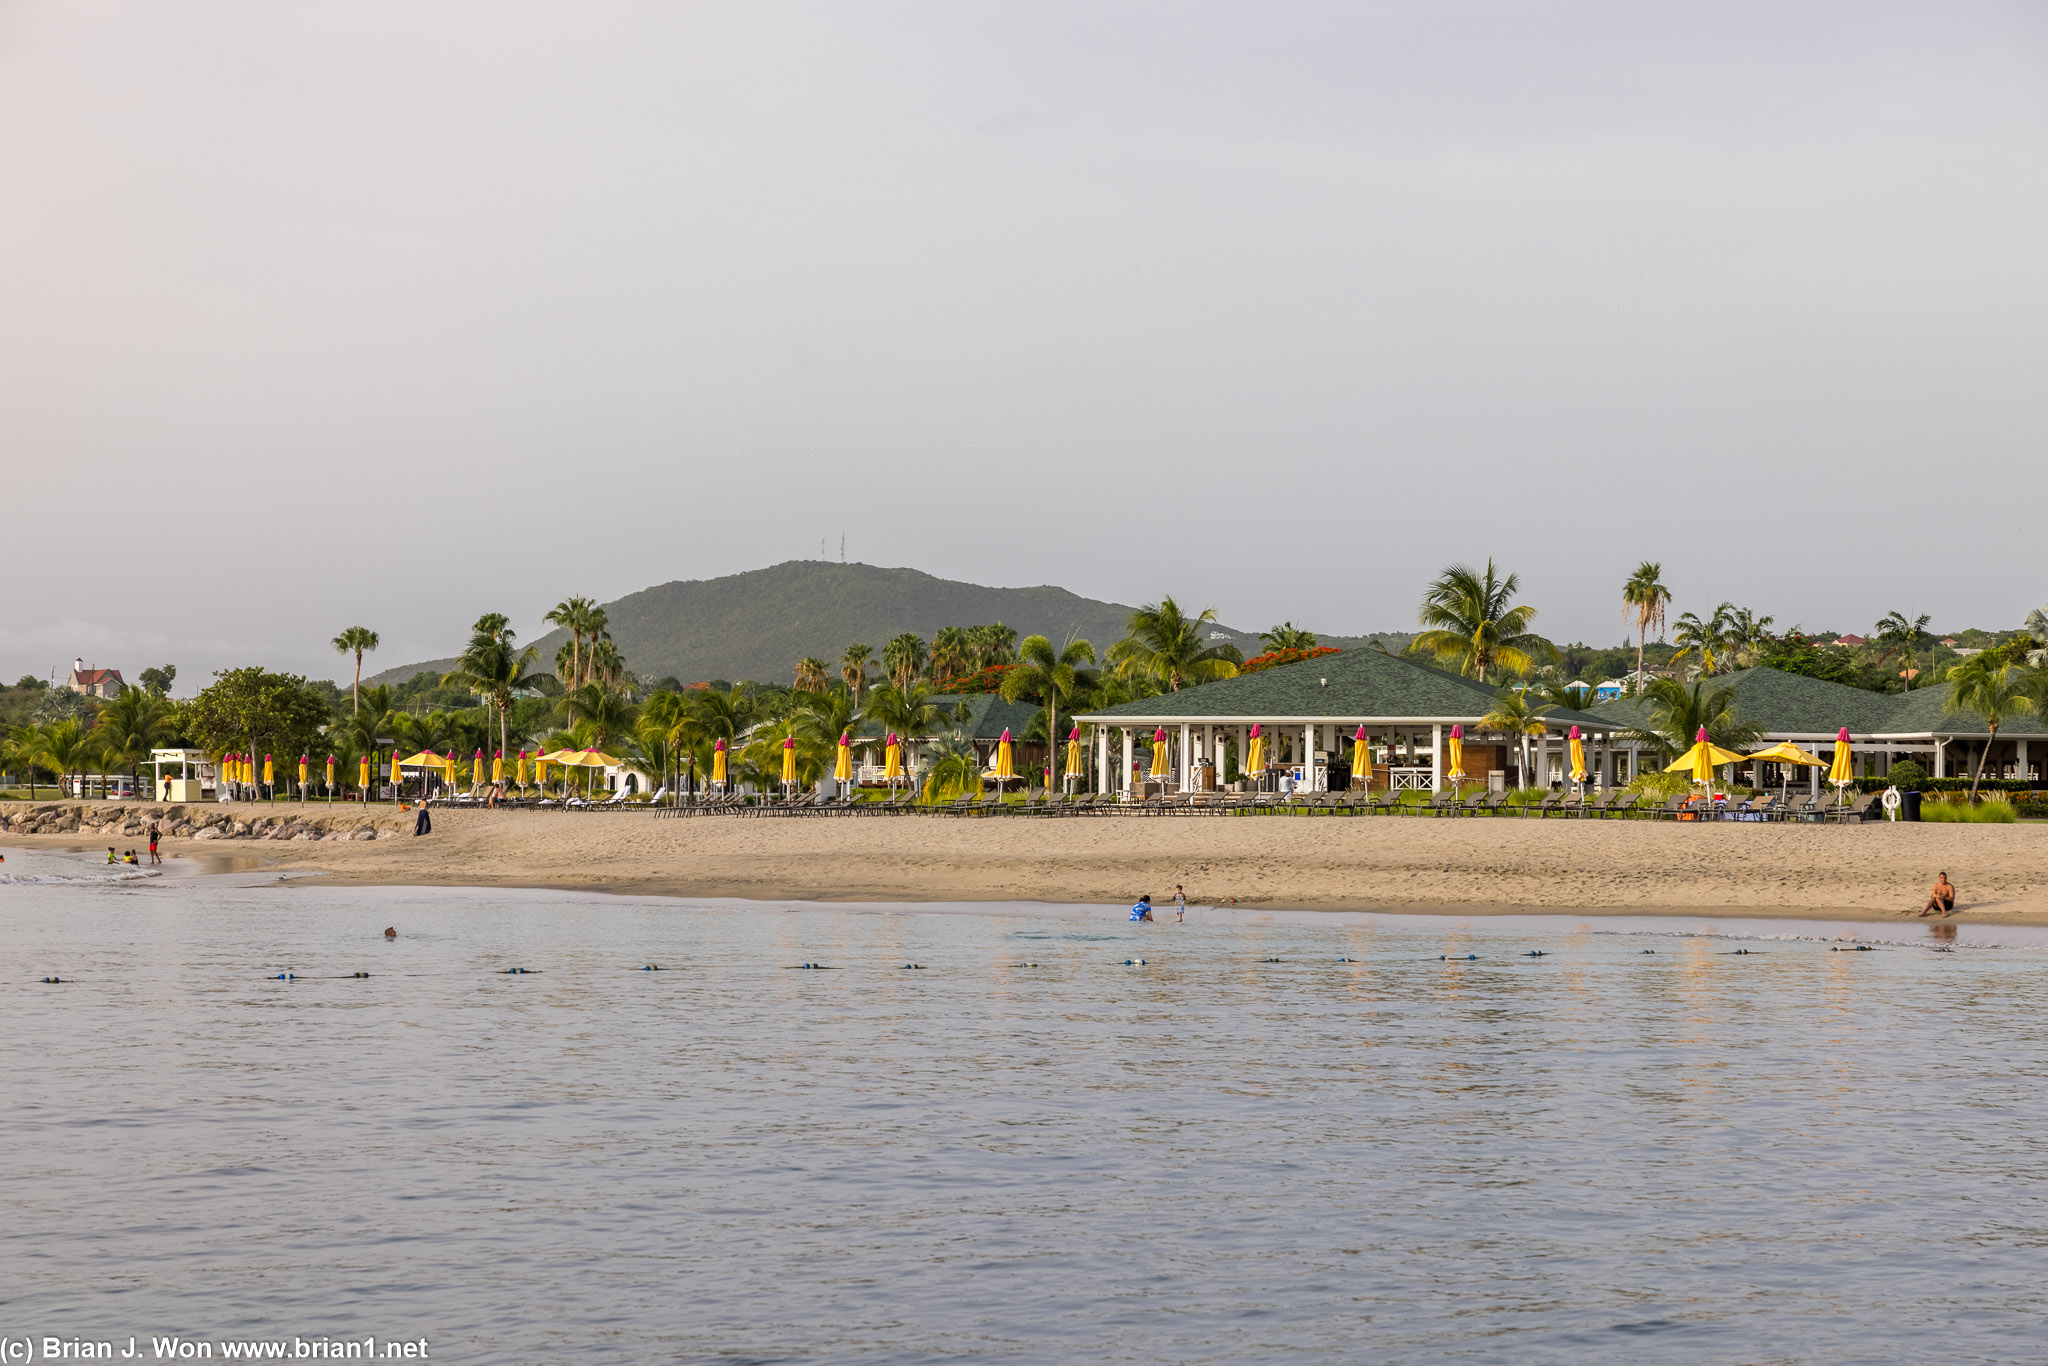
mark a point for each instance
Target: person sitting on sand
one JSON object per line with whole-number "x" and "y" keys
{"x": 1942, "y": 898}
{"x": 1143, "y": 910}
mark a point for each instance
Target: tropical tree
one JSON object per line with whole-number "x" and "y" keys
{"x": 904, "y": 658}
{"x": 951, "y": 765}
{"x": 1167, "y": 645}
{"x": 1469, "y": 622}
{"x": 356, "y": 640}
{"x": 853, "y": 668}
{"x": 254, "y": 711}
{"x": 603, "y": 711}
{"x": 1645, "y": 598}
{"x": 1993, "y": 692}
{"x": 952, "y": 654}
{"x": 1675, "y": 713}
{"x": 580, "y": 617}
{"x": 159, "y": 680}
{"x": 1705, "y": 641}
{"x": 64, "y": 747}
{"x": 907, "y": 712}
{"x": 1287, "y": 636}
{"x": 494, "y": 668}
{"x": 992, "y": 644}
{"x": 132, "y": 725}
{"x": 1516, "y": 714}
{"x": 2037, "y": 632}
{"x": 21, "y": 751}
{"x": 1746, "y": 635}
{"x": 1051, "y": 676}
{"x": 811, "y": 675}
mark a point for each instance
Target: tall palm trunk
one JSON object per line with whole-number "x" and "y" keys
{"x": 1642, "y": 637}
{"x": 1983, "y": 754}
{"x": 355, "y": 689}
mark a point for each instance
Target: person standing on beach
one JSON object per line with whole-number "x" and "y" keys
{"x": 154, "y": 835}
{"x": 1180, "y": 904}
{"x": 422, "y": 824}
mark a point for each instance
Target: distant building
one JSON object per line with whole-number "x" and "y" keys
{"x": 1849, "y": 640}
{"x": 94, "y": 682}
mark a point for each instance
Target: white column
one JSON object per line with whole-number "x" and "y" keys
{"x": 1123, "y": 782}
{"x": 1187, "y": 757}
{"x": 2020, "y": 750}
{"x": 1102, "y": 758}
{"x": 1436, "y": 757}
{"x": 1940, "y": 759}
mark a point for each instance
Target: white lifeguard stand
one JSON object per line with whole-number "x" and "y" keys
{"x": 192, "y": 780}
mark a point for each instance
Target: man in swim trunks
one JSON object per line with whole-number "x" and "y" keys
{"x": 154, "y": 834}
{"x": 1143, "y": 910}
{"x": 1942, "y": 898}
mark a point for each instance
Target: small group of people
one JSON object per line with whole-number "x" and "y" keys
{"x": 127, "y": 858}
{"x": 1143, "y": 910}
{"x": 132, "y": 858}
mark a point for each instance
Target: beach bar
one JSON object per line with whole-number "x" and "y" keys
{"x": 1309, "y": 715}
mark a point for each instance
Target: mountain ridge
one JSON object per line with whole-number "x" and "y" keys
{"x": 756, "y": 624}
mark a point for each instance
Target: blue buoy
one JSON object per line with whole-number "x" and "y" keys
{"x": 1134, "y": 962}
{"x": 1536, "y": 953}
{"x": 1649, "y": 950}
{"x": 652, "y": 967}
{"x": 53, "y": 980}
{"x": 1272, "y": 960}
{"x": 359, "y": 974}
{"x": 517, "y": 972}
{"x": 287, "y": 977}
{"x": 1344, "y": 960}
{"x": 913, "y": 967}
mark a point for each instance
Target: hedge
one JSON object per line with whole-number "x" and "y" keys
{"x": 1949, "y": 785}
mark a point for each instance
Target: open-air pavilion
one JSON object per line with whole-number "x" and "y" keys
{"x": 1308, "y": 713}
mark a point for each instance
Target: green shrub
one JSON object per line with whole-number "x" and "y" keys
{"x": 1989, "y": 811}
{"x": 1907, "y": 776}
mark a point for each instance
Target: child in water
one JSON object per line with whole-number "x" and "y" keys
{"x": 1143, "y": 910}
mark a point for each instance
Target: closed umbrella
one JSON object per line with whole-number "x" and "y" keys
{"x": 269, "y": 777}
{"x": 303, "y": 773}
{"x": 519, "y": 771}
{"x": 540, "y": 773}
{"x": 1075, "y": 764}
{"x": 396, "y": 777}
{"x": 1457, "y": 771}
{"x": 476, "y": 771}
{"x": 718, "y": 762}
{"x": 1159, "y": 753}
{"x": 1578, "y": 758}
{"x": 789, "y": 760}
{"x": 363, "y": 776}
{"x": 892, "y": 758}
{"x": 498, "y": 766}
{"x": 842, "y": 767}
{"x": 1006, "y": 760}
{"x": 1841, "y": 773}
{"x": 1255, "y": 761}
{"x": 1361, "y": 757}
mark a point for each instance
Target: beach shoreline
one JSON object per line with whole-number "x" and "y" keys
{"x": 1876, "y": 872}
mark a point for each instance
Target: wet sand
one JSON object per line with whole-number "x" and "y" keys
{"x": 1316, "y": 863}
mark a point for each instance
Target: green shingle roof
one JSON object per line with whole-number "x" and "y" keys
{"x": 1360, "y": 684}
{"x": 988, "y": 715}
{"x": 1792, "y": 704}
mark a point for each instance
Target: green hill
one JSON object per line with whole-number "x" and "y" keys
{"x": 758, "y": 624}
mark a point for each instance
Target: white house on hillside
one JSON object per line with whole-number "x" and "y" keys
{"x": 94, "y": 682}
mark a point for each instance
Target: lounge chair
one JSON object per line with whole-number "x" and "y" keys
{"x": 1623, "y": 803}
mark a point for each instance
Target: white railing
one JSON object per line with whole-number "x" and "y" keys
{"x": 1410, "y": 779}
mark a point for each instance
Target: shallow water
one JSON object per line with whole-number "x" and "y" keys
{"x": 1791, "y": 1154}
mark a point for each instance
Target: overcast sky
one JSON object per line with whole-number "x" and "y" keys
{"x": 392, "y": 314}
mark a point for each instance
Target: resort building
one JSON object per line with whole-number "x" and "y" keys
{"x": 104, "y": 683}
{"x": 1309, "y": 715}
{"x": 1883, "y": 727}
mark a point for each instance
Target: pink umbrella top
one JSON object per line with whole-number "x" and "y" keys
{"x": 1842, "y": 735}
{"x": 1006, "y": 736}
{"x": 1702, "y": 736}
{"x": 843, "y": 740}
{"x": 522, "y": 754}
{"x": 1360, "y": 737}
{"x": 497, "y": 754}
{"x": 1457, "y": 732}
{"x": 1575, "y": 732}
{"x": 1845, "y": 735}
{"x": 1159, "y": 736}
{"x": 720, "y": 746}
{"x": 892, "y": 738}
{"x": 789, "y": 742}
{"x": 1074, "y": 734}
{"x": 1256, "y": 732}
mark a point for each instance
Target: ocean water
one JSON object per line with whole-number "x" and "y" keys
{"x": 1641, "y": 1145}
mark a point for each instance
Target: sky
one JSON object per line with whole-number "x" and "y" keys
{"x": 394, "y": 314}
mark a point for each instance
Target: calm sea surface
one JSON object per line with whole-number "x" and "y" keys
{"x": 1793, "y": 1154}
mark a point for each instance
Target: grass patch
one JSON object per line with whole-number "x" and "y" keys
{"x": 1989, "y": 811}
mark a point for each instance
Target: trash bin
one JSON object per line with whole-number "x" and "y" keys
{"x": 1909, "y": 806}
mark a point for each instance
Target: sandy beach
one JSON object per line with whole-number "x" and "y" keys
{"x": 1409, "y": 864}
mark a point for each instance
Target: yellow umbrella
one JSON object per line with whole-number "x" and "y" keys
{"x": 498, "y": 766}
{"x": 1006, "y": 759}
{"x": 892, "y": 758}
{"x": 718, "y": 762}
{"x": 842, "y": 771}
{"x": 519, "y": 772}
{"x": 1457, "y": 771}
{"x": 789, "y": 759}
{"x": 476, "y": 770}
{"x": 1075, "y": 763}
{"x": 1788, "y": 753}
{"x": 396, "y": 777}
{"x": 1158, "y": 752}
{"x": 1255, "y": 762}
{"x": 1702, "y": 759}
{"x": 1578, "y": 757}
{"x": 268, "y": 776}
{"x": 1840, "y": 772}
{"x": 1361, "y": 756}
{"x": 330, "y": 776}
{"x": 363, "y": 774}
{"x": 426, "y": 758}
{"x": 540, "y": 772}
{"x": 584, "y": 758}
{"x": 302, "y": 775}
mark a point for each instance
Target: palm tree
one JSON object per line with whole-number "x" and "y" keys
{"x": 490, "y": 668}
{"x": 810, "y": 675}
{"x": 1165, "y": 644}
{"x": 1993, "y": 693}
{"x": 906, "y": 712}
{"x": 580, "y": 617}
{"x": 952, "y": 654}
{"x": 1287, "y": 636}
{"x": 1514, "y": 714}
{"x": 1644, "y": 596}
{"x": 602, "y": 711}
{"x": 1746, "y": 634}
{"x": 65, "y": 747}
{"x": 2037, "y": 631}
{"x": 853, "y": 667}
{"x": 1052, "y": 676}
{"x": 132, "y": 725}
{"x": 951, "y": 766}
{"x": 356, "y": 640}
{"x": 1469, "y": 623}
{"x": 1677, "y": 712}
{"x": 904, "y": 658}
{"x": 1704, "y": 640}
{"x": 1899, "y": 634}
{"x": 21, "y": 751}
{"x": 992, "y": 644}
